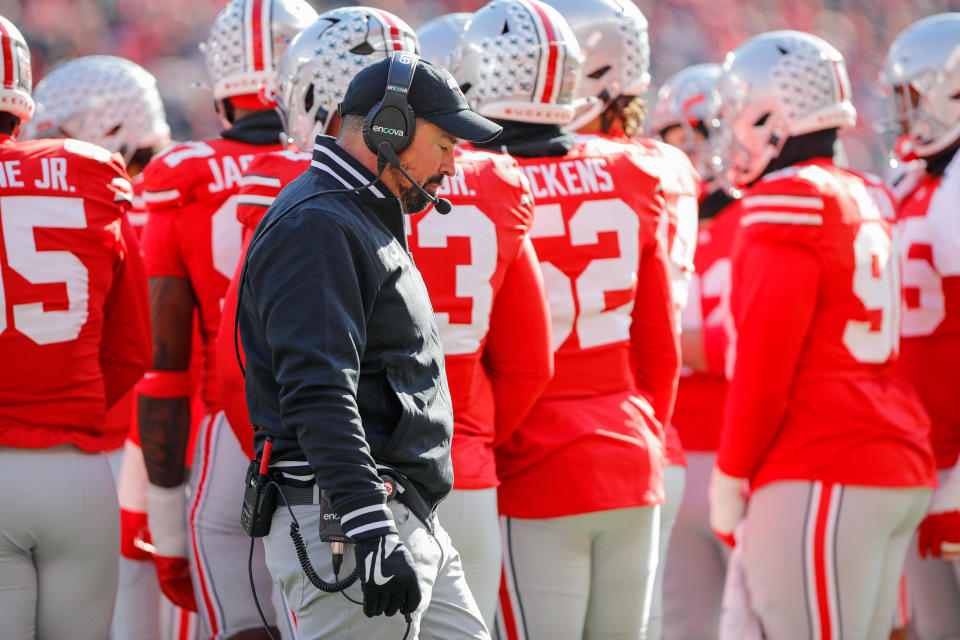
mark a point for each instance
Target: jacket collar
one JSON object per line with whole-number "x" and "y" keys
{"x": 260, "y": 127}
{"x": 334, "y": 161}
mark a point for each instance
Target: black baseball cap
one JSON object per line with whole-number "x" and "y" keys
{"x": 434, "y": 95}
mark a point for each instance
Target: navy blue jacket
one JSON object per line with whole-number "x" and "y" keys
{"x": 343, "y": 360}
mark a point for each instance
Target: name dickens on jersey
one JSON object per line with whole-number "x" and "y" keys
{"x": 569, "y": 178}
{"x": 549, "y": 180}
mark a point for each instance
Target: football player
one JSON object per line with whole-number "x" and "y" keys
{"x": 581, "y": 478}
{"x": 115, "y": 103}
{"x": 75, "y": 337}
{"x": 613, "y": 37}
{"x": 192, "y": 241}
{"x": 922, "y": 75}
{"x": 696, "y": 561}
{"x": 831, "y": 437}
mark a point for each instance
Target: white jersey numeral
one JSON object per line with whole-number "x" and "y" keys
{"x": 876, "y": 283}
{"x": 580, "y": 305}
{"x": 226, "y": 234}
{"x": 472, "y": 280}
{"x": 921, "y": 281}
{"x": 19, "y": 217}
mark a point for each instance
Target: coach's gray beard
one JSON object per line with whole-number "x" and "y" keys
{"x": 410, "y": 197}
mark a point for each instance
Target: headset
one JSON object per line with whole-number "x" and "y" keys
{"x": 392, "y": 119}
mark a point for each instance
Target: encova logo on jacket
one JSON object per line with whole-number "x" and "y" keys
{"x": 387, "y": 130}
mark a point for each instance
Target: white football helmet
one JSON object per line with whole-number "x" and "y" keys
{"x": 16, "y": 75}
{"x": 520, "y": 61}
{"x": 440, "y": 39}
{"x": 612, "y": 35}
{"x": 320, "y": 62}
{"x": 105, "y": 100}
{"x": 245, "y": 44}
{"x": 775, "y": 86}
{"x": 684, "y": 101}
{"x": 924, "y": 61}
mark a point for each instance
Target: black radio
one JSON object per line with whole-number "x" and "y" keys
{"x": 259, "y": 496}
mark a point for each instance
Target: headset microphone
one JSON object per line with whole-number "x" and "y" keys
{"x": 442, "y": 205}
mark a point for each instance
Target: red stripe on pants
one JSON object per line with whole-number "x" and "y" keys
{"x": 820, "y": 562}
{"x": 506, "y": 608}
{"x": 207, "y": 600}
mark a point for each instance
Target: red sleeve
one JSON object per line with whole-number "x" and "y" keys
{"x": 232, "y": 385}
{"x": 126, "y": 349}
{"x": 773, "y": 300}
{"x": 518, "y": 355}
{"x": 161, "y": 248}
{"x": 654, "y": 342}
{"x": 715, "y": 346}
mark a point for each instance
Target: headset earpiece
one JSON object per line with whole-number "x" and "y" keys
{"x": 392, "y": 119}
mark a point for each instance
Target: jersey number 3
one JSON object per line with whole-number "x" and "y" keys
{"x": 19, "y": 217}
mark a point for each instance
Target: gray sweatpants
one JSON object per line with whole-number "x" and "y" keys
{"x": 674, "y": 478}
{"x": 59, "y": 544}
{"x": 588, "y": 576}
{"x": 825, "y": 560}
{"x": 473, "y": 522}
{"x": 447, "y": 610}
{"x": 696, "y": 562}
{"x": 934, "y": 587}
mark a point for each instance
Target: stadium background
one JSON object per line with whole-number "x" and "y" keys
{"x": 162, "y": 35}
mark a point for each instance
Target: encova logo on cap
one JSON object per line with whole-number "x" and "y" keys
{"x": 390, "y": 132}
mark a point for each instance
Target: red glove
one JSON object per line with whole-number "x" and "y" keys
{"x": 135, "y": 541}
{"x": 167, "y": 511}
{"x": 939, "y": 534}
{"x": 173, "y": 574}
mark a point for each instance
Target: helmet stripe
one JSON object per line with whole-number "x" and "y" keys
{"x": 553, "y": 54}
{"x": 839, "y": 75}
{"x": 257, "y": 25}
{"x": 394, "y": 30}
{"x": 7, "y": 52}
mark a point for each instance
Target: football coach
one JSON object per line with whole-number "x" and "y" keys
{"x": 344, "y": 372}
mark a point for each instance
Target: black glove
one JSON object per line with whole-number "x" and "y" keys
{"x": 387, "y": 577}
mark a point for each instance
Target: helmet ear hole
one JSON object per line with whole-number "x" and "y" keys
{"x": 465, "y": 87}
{"x": 506, "y": 28}
{"x": 598, "y": 73}
{"x": 362, "y": 49}
{"x": 762, "y": 120}
{"x": 308, "y": 98}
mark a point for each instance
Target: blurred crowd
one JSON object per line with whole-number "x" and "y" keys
{"x": 162, "y": 35}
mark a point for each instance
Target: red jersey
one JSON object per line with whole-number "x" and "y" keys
{"x": 192, "y": 230}
{"x": 929, "y": 233}
{"x": 491, "y": 309}
{"x": 680, "y": 185}
{"x": 121, "y": 417}
{"x": 75, "y": 327}
{"x": 815, "y": 392}
{"x": 700, "y": 395}
{"x": 593, "y": 431}
{"x": 266, "y": 175}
